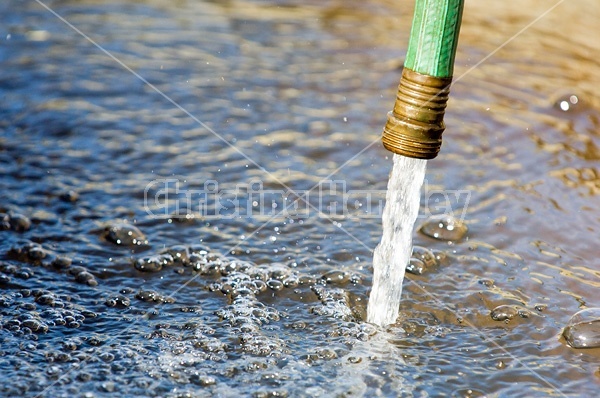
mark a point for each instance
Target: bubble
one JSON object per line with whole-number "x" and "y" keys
{"x": 69, "y": 196}
{"x": 274, "y": 284}
{"x": 279, "y": 272}
{"x": 107, "y": 357}
{"x": 19, "y": 222}
{"x": 334, "y": 303}
{"x": 421, "y": 260}
{"x": 291, "y": 281}
{"x": 35, "y": 326}
{"x": 583, "y": 329}
{"x": 425, "y": 255}
{"x": 195, "y": 260}
{"x": 71, "y": 345}
{"x": 444, "y": 227}
{"x": 61, "y": 262}
{"x": 84, "y": 376}
{"x": 486, "y": 282}
{"x": 4, "y": 222}
{"x": 76, "y": 270}
{"x": 57, "y": 356}
{"x": 108, "y": 386}
{"x": 271, "y": 394}
{"x": 415, "y": 266}
{"x": 46, "y": 299}
{"x": 28, "y": 306}
{"x": 326, "y": 353}
{"x": 184, "y": 215}
{"x": 179, "y": 253}
{"x": 353, "y": 359}
{"x": 152, "y": 296}
{"x": 86, "y": 278}
{"x": 30, "y": 252}
{"x": 124, "y": 235}
{"x": 259, "y": 286}
{"x": 307, "y": 280}
{"x": 153, "y": 263}
{"x": 147, "y": 295}
{"x": 53, "y": 371}
{"x": 507, "y": 312}
{"x": 37, "y": 253}
{"x": 567, "y": 103}
{"x": 336, "y": 277}
{"x": 203, "y": 380}
{"x": 469, "y": 393}
{"x": 261, "y": 274}
{"x": 117, "y": 301}
{"x": 24, "y": 273}
{"x": 540, "y": 307}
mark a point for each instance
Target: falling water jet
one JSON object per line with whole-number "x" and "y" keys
{"x": 393, "y": 252}
{"x": 414, "y": 134}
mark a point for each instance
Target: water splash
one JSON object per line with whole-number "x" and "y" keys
{"x": 393, "y": 252}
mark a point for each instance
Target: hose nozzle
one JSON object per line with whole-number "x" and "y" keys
{"x": 414, "y": 127}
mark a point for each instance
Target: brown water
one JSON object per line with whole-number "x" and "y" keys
{"x": 298, "y": 90}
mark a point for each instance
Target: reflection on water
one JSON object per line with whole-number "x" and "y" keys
{"x": 258, "y": 306}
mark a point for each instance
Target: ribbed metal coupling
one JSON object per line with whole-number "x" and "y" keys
{"x": 414, "y": 128}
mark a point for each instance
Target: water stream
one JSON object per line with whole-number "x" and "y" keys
{"x": 393, "y": 252}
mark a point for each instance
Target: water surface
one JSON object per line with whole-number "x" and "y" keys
{"x": 297, "y": 92}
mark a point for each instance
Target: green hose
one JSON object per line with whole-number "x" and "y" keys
{"x": 434, "y": 36}
{"x": 416, "y": 124}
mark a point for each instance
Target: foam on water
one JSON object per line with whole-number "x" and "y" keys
{"x": 393, "y": 252}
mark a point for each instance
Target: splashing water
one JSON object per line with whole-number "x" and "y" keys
{"x": 393, "y": 252}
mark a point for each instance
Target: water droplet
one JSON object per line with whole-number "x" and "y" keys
{"x": 583, "y": 329}
{"x": 444, "y": 227}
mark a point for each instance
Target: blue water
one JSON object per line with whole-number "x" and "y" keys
{"x": 135, "y": 262}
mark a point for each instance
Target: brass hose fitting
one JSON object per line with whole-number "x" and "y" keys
{"x": 414, "y": 128}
